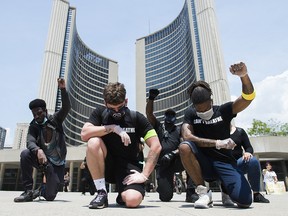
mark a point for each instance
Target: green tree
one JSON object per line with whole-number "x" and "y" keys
{"x": 272, "y": 128}
{"x": 259, "y": 128}
{"x": 283, "y": 130}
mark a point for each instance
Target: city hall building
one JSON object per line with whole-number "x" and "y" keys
{"x": 170, "y": 59}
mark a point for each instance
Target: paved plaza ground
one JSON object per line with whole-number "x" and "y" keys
{"x": 75, "y": 204}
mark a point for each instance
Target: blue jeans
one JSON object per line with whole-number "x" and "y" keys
{"x": 232, "y": 179}
{"x": 252, "y": 169}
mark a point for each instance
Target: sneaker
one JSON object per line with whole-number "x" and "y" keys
{"x": 40, "y": 191}
{"x": 100, "y": 201}
{"x": 119, "y": 200}
{"x": 26, "y": 196}
{"x": 191, "y": 198}
{"x": 205, "y": 197}
{"x": 36, "y": 193}
{"x": 226, "y": 200}
{"x": 258, "y": 197}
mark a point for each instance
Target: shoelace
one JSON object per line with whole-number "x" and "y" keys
{"x": 100, "y": 196}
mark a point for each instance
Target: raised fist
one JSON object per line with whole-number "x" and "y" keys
{"x": 239, "y": 69}
{"x": 153, "y": 93}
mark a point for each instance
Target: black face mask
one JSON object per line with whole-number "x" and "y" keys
{"x": 170, "y": 119}
{"x": 118, "y": 115}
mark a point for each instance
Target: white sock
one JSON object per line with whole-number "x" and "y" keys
{"x": 100, "y": 184}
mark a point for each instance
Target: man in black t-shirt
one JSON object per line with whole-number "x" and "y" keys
{"x": 206, "y": 152}
{"x": 113, "y": 135}
{"x": 169, "y": 160}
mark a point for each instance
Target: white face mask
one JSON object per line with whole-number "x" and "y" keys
{"x": 206, "y": 115}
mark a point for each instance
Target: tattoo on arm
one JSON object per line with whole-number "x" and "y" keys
{"x": 152, "y": 157}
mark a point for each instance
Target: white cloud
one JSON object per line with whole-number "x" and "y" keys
{"x": 271, "y": 102}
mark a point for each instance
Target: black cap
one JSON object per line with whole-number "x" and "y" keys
{"x": 37, "y": 103}
{"x": 170, "y": 112}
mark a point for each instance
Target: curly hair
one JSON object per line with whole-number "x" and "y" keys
{"x": 200, "y": 92}
{"x": 114, "y": 93}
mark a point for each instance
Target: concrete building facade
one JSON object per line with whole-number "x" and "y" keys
{"x": 85, "y": 71}
{"x": 2, "y": 137}
{"x": 171, "y": 59}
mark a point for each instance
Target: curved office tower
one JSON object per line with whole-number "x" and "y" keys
{"x": 86, "y": 72}
{"x": 172, "y": 58}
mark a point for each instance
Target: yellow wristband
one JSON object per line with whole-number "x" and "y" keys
{"x": 249, "y": 97}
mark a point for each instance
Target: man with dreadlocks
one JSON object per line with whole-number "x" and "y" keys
{"x": 206, "y": 149}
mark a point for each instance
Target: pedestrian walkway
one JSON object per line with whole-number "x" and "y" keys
{"x": 75, "y": 204}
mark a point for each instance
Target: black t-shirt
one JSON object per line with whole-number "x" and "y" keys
{"x": 240, "y": 137}
{"x": 135, "y": 128}
{"x": 169, "y": 139}
{"x": 218, "y": 127}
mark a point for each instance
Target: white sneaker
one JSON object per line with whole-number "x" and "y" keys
{"x": 226, "y": 200}
{"x": 205, "y": 197}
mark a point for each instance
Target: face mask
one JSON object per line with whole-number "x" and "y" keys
{"x": 205, "y": 115}
{"x": 118, "y": 115}
{"x": 170, "y": 119}
{"x": 42, "y": 123}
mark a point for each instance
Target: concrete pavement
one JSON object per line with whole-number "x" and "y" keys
{"x": 75, "y": 204}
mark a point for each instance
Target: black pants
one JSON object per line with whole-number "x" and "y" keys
{"x": 165, "y": 179}
{"x": 87, "y": 183}
{"x": 54, "y": 174}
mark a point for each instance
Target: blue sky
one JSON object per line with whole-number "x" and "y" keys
{"x": 251, "y": 31}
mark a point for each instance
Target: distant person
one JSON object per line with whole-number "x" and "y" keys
{"x": 66, "y": 181}
{"x": 206, "y": 151}
{"x": 269, "y": 176}
{"x": 246, "y": 162}
{"x": 46, "y": 148}
{"x": 169, "y": 161}
{"x": 113, "y": 135}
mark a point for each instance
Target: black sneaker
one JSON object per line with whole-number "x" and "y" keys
{"x": 100, "y": 201}
{"x": 119, "y": 200}
{"x": 191, "y": 198}
{"x": 40, "y": 191}
{"x": 258, "y": 197}
{"x": 26, "y": 196}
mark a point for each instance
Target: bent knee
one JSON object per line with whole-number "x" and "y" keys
{"x": 94, "y": 143}
{"x": 184, "y": 149}
{"x": 132, "y": 198}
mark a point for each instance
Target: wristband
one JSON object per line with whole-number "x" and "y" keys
{"x": 242, "y": 75}
{"x": 249, "y": 97}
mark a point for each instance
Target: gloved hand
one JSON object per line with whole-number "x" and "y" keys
{"x": 124, "y": 136}
{"x": 153, "y": 93}
{"x": 134, "y": 178}
{"x": 167, "y": 158}
{"x": 226, "y": 144}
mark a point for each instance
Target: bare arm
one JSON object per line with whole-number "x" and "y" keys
{"x": 241, "y": 103}
{"x": 89, "y": 130}
{"x": 153, "y": 93}
{"x": 153, "y": 154}
{"x": 188, "y": 134}
{"x": 149, "y": 112}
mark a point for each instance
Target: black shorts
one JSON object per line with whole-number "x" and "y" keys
{"x": 117, "y": 168}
